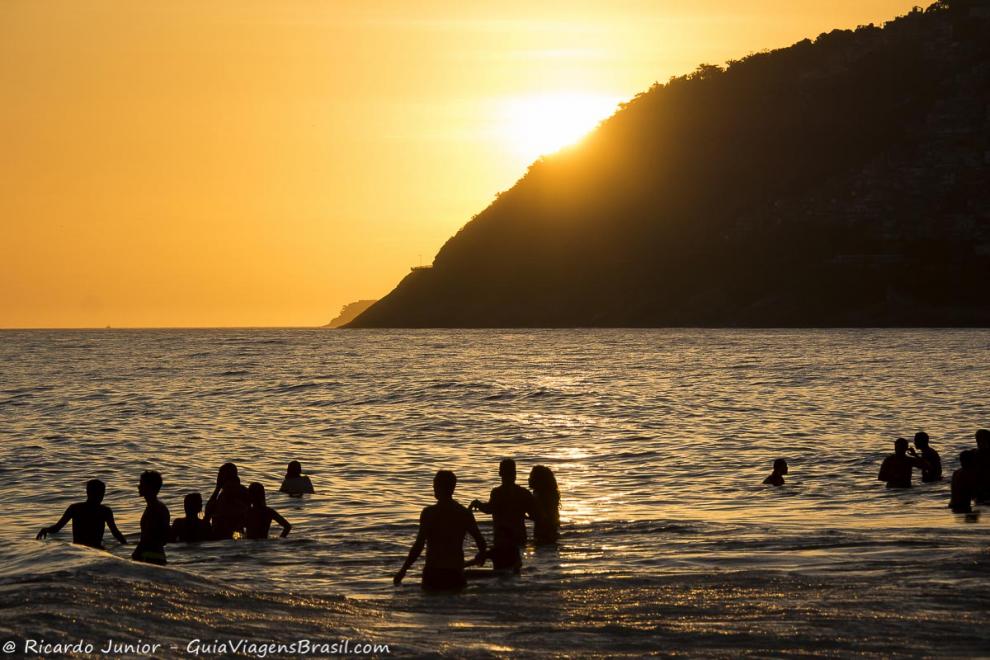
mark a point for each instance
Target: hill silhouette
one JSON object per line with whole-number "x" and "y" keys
{"x": 843, "y": 181}
{"x": 349, "y": 312}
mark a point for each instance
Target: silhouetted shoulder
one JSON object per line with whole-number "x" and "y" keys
{"x": 77, "y": 508}
{"x": 446, "y": 510}
{"x": 297, "y": 485}
{"x": 464, "y": 513}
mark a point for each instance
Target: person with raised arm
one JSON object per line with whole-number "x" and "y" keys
{"x": 896, "y": 468}
{"x": 509, "y": 506}
{"x": 227, "y": 507}
{"x": 88, "y": 518}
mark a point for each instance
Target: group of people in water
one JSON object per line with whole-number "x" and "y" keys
{"x": 231, "y": 511}
{"x": 444, "y": 525}
{"x": 971, "y": 482}
{"x": 236, "y": 511}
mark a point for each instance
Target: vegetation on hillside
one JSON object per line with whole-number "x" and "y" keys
{"x": 840, "y": 181}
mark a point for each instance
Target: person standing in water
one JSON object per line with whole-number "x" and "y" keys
{"x": 546, "y": 524}
{"x": 933, "y": 471}
{"x": 154, "y": 521}
{"x": 964, "y": 483}
{"x": 442, "y": 528}
{"x": 296, "y": 483}
{"x": 88, "y": 518}
{"x": 260, "y": 516}
{"x": 192, "y": 528}
{"x": 227, "y": 507}
{"x": 896, "y": 468}
{"x": 509, "y": 505}
{"x": 776, "y": 477}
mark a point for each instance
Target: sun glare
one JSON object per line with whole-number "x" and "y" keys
{"x": 540, "y": 125}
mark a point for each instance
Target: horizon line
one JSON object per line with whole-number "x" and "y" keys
{"x": 167, "y": 327}
{"x": 549, "y": 327}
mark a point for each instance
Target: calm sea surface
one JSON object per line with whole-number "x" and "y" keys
{"x": 659, "y": 440}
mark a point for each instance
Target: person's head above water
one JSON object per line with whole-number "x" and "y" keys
{"x": 95, "y": 490}
{"x": 293, "y": 470}
{"x": 226, "y": 472}
{"x": 507, "y": 470}
{"x": 150, "y": 484}
{"x": 541, "y": 479}
{"x": 983, "y": 439}
{"x": 256, "y": 493}
{"x": 780, "y": 466}
{"x": 921, "y": 440}
{"x": 967, "y": 459}
{"x": 233, "y": 491}
{"x": 900, "y": 446}
{"x": 444, "y": 483}
{"x": 193, "y": 504}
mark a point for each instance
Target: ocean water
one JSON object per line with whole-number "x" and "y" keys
{"x": 659, "y": 440}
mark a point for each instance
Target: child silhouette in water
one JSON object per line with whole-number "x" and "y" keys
{"x": 192, "y": 528}
{"x": 776, "y": 477}
{"x": 88, "y": 518}
{"x": 260, "y": 515}
{"x": 295, "y": 482}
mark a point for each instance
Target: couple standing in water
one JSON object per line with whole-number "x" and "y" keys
{"x": 444, "y": 525}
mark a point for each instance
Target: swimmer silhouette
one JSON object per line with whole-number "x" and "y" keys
{"x": 192, "y": 528}
{"x": 295, "y": 482}
{"x": 508, "y": 504}
{"x": 933, "y": 471}
{"x": 228, "y": 505}
{"x": 88, "y": 518}
{"x": 442, "y": 528}
{"x": 154, "y": 521}
{"x": 776, "y": 477}
{"x": 546, "y": 523}
{"x": 965, "y": 482}
{"x": 896, "y": 468}
{"x": 260, "y": 515}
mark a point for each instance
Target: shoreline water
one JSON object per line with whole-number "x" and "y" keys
{"x": 659, "y": 440}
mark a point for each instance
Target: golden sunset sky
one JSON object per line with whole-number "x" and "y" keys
{"x": 243, "y": 163}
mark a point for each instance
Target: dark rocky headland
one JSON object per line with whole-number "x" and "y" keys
{"x": 843, "y": 181}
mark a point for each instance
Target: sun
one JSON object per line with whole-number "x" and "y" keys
{"x": 538, "y": 125}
